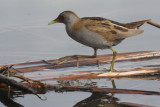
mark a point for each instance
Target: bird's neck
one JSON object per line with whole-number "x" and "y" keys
{"x": 70, "y": 23}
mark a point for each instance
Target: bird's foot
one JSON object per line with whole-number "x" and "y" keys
{"x": 68, "y": 58}
{"x": 113, "y": 70}
{"x": 57, "y": 61}
{"x": 109, "y": 70}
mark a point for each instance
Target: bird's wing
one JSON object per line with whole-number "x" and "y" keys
{"x": 104, "y": 29}
{"x": 111, "y": 31}
{"x": 134, "y": 25}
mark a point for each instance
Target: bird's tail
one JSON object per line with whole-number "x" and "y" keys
{"x": 134, "y": 25}
{"x": 153, "y": 23}
{"x": 130, "y": 33}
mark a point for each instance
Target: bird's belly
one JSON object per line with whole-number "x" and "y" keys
{"x": 90, "y": 39}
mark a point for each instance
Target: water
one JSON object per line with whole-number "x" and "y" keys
{"x": 25, "y": 36}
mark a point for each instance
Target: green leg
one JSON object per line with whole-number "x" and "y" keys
{"x": 113, "y": 59}
{"x": 114, "y": 87}
{"x": 67, "y": 58}
{"x": 113, "y": 84}
{"x": 80, "y": 56}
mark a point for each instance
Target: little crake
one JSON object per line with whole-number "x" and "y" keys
{"x": 99, "y": 33}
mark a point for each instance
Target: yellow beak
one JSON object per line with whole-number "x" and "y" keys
{"x": 52, "y": 22}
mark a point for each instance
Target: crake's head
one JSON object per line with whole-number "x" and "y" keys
{"x": 66, "y": 17}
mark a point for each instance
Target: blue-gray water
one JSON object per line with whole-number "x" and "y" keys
{"x": 26, "y": 36}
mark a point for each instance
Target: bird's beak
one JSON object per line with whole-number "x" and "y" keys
{"x": 53, "y": 21}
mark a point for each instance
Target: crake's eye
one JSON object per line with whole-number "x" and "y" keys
{"x": 62, "y": 17}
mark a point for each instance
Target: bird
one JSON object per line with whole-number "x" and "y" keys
{"x": 99, "y": 32}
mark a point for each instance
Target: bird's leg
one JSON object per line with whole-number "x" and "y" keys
{"x": 67, "y": 58}
{"x": 114, "y": 87}
{"x": 87, "y": 56}
{"x": 113, "y": 59}
{"x": 113, "y": 84}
